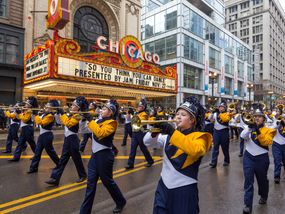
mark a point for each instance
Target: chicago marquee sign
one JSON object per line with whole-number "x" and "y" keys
{"x": 122, "y": 63}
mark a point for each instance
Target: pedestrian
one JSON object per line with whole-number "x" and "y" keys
{"x": 137, "y": 138}
{"x": 102, "y": 159}
{"x": 257, "y": 138}
{"x": 27, "y": 128}
{"x": 183, "y": 148}
{"x": 221, "y": 135}
{"x": 46, "y": 122}
{"x": 71, "y": 142}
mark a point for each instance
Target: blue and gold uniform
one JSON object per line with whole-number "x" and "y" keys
{"x": 221, "y": 137}
{"x": 101, "y": 163}
{"x": 70, "y": 148}
{"x": 45, "y": 139}
{"x": 27, "y": 134}
{"x": 137, "y": 140}
{"x": 13, "y": 130}
{"x": 256, "y": 162}
{"x": 177, "y": 190}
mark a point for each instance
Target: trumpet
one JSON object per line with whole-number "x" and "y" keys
{"x": 137, "y": 124}
{"x": 248, "y": 118}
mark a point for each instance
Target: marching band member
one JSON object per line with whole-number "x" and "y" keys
{"x": 128, "y": 126}
{"x": 278, "y": 149}
{"x": 137, "y": 139}
{"x": 184, "y": 147}
{"x": 233, "y": 125}
{"x": 221, "y": 135}
{"x": 71, "y": 142}
{"x": 83, "y": 127}
{"x": 13, "y": 128}
{"x": 102, "y": 160}
{"x": 256, "y": 159}
{"x": 27, "y": 128}
{"x": 161, "y": 113}
{"x": 45, "y": 139}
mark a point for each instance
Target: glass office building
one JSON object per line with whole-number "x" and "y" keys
{"x": 211, "y": 62}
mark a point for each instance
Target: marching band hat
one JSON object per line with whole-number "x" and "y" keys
{"x": 93, "y": 105}
{"x": 52, "y": 103}
{"x": 257, "y": 110}
{"x": 113, "y": 106}
{"x": 81, "y": 103}
{"x": 223, "y": 103}
{"x": 143, "y": 103}
{"x": 32, "y": 102}
{"x": 193, "y": 107}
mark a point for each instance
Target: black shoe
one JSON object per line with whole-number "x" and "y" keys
{"x": 14, "y": 160}
{"x": 240, "y": 155}
{"x": 6, "y": 152}
{"x": 262, "y": 201}
{"x": 212, "y": 165}
{"x": 52, "y": 182}
{"x": 246, "y": 210}
{"x": 79, "y": 180}
{"x": 32, "y": 171}
{"x": 225, "y": 164}
{"x": 129, "y": 167}
{"x": 119, "y": 209}
{"x": 149, "y": 164}
{"x": 277, "y": 180}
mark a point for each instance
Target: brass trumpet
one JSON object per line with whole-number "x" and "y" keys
{"x": 248, "y": 118}
{"x": 137, "y": 124}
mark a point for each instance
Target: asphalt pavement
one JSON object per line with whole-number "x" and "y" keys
{"x": 220, "y": 189}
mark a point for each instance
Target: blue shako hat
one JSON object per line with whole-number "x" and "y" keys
{"x": 143, "y": 103}
{"x": 81, "y": 103}
{"x": 52, "y": 103}
{"x": 113, "y": 106}
{"x": 258, "y": 110}
{"x": 192, "y": 106}
{"x": 224, "y": 104}
{"x": 33, "y": 102}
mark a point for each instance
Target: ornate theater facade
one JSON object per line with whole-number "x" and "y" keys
{"x": 91, "y": 48}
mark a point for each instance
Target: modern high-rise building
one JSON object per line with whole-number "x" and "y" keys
{"x": 261, "y": 24}
{"x": 211, "y": 62}
{"x": 11, "y": 50}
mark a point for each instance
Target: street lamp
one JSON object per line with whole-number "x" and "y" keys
{"x": 270, "y": 94}
{"x": 249, "y": 86}
{"x": 212, "y": 76}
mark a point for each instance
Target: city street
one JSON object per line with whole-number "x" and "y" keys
{"x": 220, "y": 189}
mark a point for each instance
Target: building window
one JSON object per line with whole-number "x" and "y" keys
{"x": 257, "y": 29}
{"x": 228, "y": 86}
{"x": 233, "y": 9}
{"x": 149, "y": 27}
{"x": 193, "y": 22}
{"x": 171, "y": 18}
{"x": 89, "y": 24}
{"x": 257, "y": 38}
{"x": 229, "y": 65}
{"x": 244, "y": 32}
{"x": 244, "y": 23}
{"x": 240, "y": 70}
{"x": 193, "y": 49}
{"x": 256, "y": 2}
{"x": 165, "y": 48}
{"x": 233, "y": 26}
{"x": 214, "y": 58}
{"x": 244, "y": 5}
{"x": 9, "y": 49}
{"x": 192, "y": 77}
{"x": 257, "y": 20}
{"x": 3, "y": 8}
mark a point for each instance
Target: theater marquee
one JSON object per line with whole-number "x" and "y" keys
{"x": 62, "y": 60}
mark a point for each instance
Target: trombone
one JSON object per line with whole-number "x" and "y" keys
{"x": 137, "y": 124}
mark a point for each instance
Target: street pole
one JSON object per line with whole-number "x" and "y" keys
{"x": 212, "y": 91}
{"x": 249, "y": 90}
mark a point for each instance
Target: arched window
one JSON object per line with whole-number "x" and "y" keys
{"x": 89, "y": 24}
